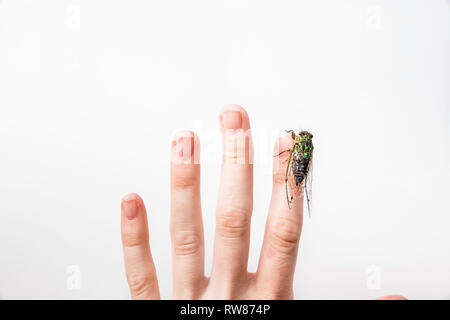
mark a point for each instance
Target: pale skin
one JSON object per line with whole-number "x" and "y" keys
{"x": 229, "y": 277}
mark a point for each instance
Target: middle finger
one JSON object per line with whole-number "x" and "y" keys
{"x": 235, "y": 200}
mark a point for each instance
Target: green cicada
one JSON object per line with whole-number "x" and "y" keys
{"x": 299, "y": 167}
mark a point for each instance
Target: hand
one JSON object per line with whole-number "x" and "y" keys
{"x": 229, "y": 277}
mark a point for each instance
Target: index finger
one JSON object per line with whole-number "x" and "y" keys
{"x": 283, "y": 228}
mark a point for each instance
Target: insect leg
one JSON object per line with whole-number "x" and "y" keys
{"x": 288, "y": 150}
{"x": 307, "y": 199}
{"x": 292, "y": 132}
{"x": 286, "y": 181}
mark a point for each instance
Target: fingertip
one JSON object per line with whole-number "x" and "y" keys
{"x": 130, "y": 197}
{"x": 282, "y": 145}
{"x": 133, "y": 197}
{"x": 233, "y": 107}
{"x": 185, "y": 147}
{"x": 185, "y": 133}
{"x": 234, "y": 117}
{"x": 131, "y": 204}
{"x": 283, "y": 142}
{"x": 237, "y": 142}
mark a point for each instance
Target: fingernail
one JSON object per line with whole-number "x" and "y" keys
{"x": 232, "y": 119}
{"x": 185, "y": 146}
{"x": 130, "y": 206}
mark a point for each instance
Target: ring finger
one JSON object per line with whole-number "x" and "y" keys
{"x": 186, "y": 217}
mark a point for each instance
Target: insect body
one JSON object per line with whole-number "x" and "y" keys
{"x": 299, "y": 167}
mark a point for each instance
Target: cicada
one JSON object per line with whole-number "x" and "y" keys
{"x": 299, "y": 167}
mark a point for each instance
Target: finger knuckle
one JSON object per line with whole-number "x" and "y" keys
{"x": 233, "y": 222}
{"x": 234, "y": 156}
{"x": 186, "y": 243}
{"x": 285, "y": 234}
{"x": 134, "y": 239}
{"x": 279, "y": 294}
{"x": 185, "y": 180}
{"x": 140, "y": 284}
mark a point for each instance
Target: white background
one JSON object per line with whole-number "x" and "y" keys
{"x": 92, "y": 91}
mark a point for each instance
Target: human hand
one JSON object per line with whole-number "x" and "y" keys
{"x": 229, "y": 277}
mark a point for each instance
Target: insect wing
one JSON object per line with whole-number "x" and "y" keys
{"x": 308, "y": 185}
{"x": 289, "y": 175}
{"x": 293, "y": 190}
